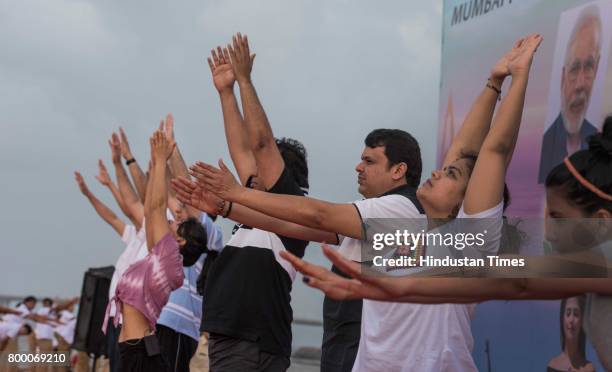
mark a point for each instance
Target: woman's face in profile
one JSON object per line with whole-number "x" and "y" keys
{"x": 572, "y": 319}
{"x": 560, "y": 221}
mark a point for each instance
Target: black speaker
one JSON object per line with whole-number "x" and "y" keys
{"x": 88, "y": 335}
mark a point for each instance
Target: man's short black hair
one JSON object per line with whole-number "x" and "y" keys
{"x": 29, "y": 298}
{"x": 294, "y": 156}
{"x": 400, "y": 147}
{"x": 47, "y": 301}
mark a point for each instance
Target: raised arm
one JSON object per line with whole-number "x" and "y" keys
{"x": 156, "y": 200}
{"x": 270, "y": 163}
{"x": 486, "y": 185}
{"x": 190, "y": 193}
{"x": 104, "y": 178}
{"x": 130, "y": 198}
{"x": 478, "y": 120}
{"x": 235, "y": 132}
{"x": 317, "y": 214}
{"x": 103, "y": 211}
{"x": 140, "y": 179}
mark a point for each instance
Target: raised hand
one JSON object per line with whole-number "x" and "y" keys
{"x": 501, "y": 70}
{"x": 519, "y": 63}
{"x": 219, "y": 181}
{"x": 169, "y": 127}
{"x": 242, "y": 59}
{"x": 103, "y": 177}
{"x": 221, "y": 69}
{"x": 115, "y": 146}
{"x": 190, "y": 193}
{"x": 125, "y": 146}
{"x": 161, "y": 148}
{"x": 82, "y": 185}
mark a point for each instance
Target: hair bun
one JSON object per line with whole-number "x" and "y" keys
{"x": 601, "y": 143}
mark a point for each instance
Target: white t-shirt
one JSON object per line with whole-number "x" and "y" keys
{"x": 136, "y": 249}
{"x": 13, "y": 322}
{"x": 44, "y": 331}
{"x": 66, "y": 329}
{"x": 389, "y": 206}
{"x": 413, "y": 337}
{"x": 4, "y": 330}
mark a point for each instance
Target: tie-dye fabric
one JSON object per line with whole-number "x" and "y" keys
{"x": 147, "y": 283}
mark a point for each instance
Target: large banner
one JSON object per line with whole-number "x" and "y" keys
{"x": 569, "y": 95}
{"x": 570, "y": 86}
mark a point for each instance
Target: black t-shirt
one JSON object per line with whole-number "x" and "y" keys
{"x": 248, "y": 290}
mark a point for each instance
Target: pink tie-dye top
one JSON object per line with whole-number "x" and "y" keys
{"x": 147, "y": 283}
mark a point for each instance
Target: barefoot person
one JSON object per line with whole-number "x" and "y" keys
{"x": 145, "y": 286}
{"x": 464, "y": 188}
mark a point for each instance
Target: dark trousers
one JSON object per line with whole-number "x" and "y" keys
{"x": 134, "y": 358}
{"x": 112, "y": 346}
{"x": 228, "y": 354}
{"x": 341, "y": 333}
{"x": 176, "y": 348}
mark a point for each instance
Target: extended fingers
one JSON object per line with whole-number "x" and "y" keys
{"x": 306, "y": 268}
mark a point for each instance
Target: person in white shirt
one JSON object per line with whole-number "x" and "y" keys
{"x": 407, "y": 337}
{"x": 44, "y": 331}
{"x": 64, "y": 333}
{"x": 14, "y": 325}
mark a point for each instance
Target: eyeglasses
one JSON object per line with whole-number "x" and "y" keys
{"x": 587, "y": 67}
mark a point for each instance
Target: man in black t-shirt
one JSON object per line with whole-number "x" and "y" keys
{"x": 247, "y": 310}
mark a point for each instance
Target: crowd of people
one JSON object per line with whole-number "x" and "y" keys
{"x": 182, "y": 300}
{"x": 51, "y": 329}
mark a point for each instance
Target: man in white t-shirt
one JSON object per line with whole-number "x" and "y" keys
{"x": 388, "y": 174}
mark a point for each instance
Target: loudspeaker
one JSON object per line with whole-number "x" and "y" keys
{"x": 92, "y": 308}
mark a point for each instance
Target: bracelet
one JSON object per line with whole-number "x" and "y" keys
{"x": 229, "y": 210}
{"x": 497, "y": 90}
{"x": 130, "y": 161}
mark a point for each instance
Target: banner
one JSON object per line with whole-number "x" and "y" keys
{"x": 568, "y": 97}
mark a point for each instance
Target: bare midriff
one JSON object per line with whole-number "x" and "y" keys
{"x": 135, "y": 325}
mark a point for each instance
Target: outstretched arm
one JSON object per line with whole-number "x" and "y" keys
{"x": 270, "y": 163}
{"x": 66, "y": 304}
{"x": 140, "y": 180}
{"x": 235, "y": 132}
{"x": 437, "y": 290}
{"x": 8, "y": 310}
{"x": 190, "y": 193}
{"x": 317, "y": 214}
{"x": 156, "y": 201}
{"x": 129, "y": 196}
{"x": 486, "y": 185}
{"x": 103, "y": 211}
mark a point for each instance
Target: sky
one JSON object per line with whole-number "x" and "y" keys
{"x": 72, "y": 72}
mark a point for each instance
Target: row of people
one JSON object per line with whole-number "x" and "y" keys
{"x": 415, "y": 336}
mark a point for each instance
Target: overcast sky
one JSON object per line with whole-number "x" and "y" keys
{"x": 71, "y": 72}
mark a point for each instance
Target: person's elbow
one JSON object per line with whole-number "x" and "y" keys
{"x": 263, "y": 142}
